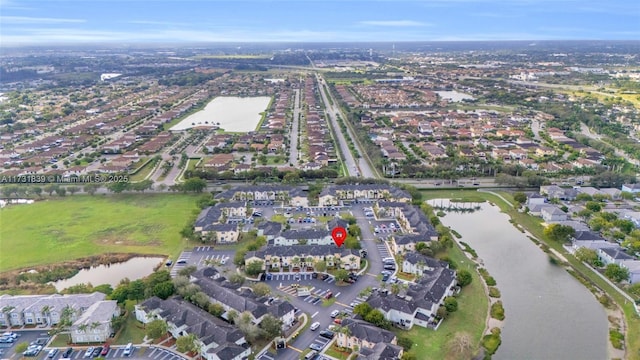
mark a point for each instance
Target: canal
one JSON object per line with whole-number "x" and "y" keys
{"x": 549, "y": 314}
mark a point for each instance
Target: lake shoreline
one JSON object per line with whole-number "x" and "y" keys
{"x": 10, "y": 280}
{"x": 518, "y": 308}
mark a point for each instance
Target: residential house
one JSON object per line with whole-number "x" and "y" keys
{"x": 269, "y": 229}
{"x": 535, "y": 199}
{"x": 335, "y": 194}
{"x": 632, "y": 188}
{"x": 381, "y": 351}
{"x": 589, "y": 239}
{"x": 224, "y": 233}
{"x": 556, "y": 192}
{"x": 216, "y": 339}
{"x": 420, "y": 303}
{"x": 94, "y": 325}
{"x": 44, "y": 309}
{"x": 417, "y": 264}
{"x": 303, "y": 237}
{"x": 299, "y": 257}
{"x": 404, "y": 243}
{"x": 552, "y": 213}
{"x": 615, "y": 255}
{"x": 220, "y": 291}
{"x": 362, "y": 334}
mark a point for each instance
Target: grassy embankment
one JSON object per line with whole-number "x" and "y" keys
{"x": 470, "y": 317}
{"x": 57, "y": 230}
{"x": 534, "y": 226}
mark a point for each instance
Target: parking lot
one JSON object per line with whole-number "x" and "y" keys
{"x": 203, "y": 256}
{"x": 30, "y": 336}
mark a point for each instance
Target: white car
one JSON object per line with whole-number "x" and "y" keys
{"x": 223, "y": 261}
{"x": 88, "y": 352}
{"x": 315, "y": 326}
{"x": 335, "y": 313}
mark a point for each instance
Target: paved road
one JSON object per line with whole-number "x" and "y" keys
{"x": 345, "y": 295}
{"x": 355, "y": 167}
{"x": 293, "y": 136}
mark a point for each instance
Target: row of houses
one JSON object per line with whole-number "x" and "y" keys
{"x": 213, "y": 219}
{"x": 304, "y": 257}
{"x": 335, "y": 194}
{"x": 232, "y": 297}
{"x": 90, "y": 315}
{"x": 414, "y": 223}
{"x": 418, "y": 305}
{"x": 215, "y": 339}
{"x": 609, "y": 252}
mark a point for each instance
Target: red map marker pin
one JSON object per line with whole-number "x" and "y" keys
{"x": 339, "y": 234}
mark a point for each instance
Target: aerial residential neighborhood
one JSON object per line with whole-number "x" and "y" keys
{"x": 289, "y": 180}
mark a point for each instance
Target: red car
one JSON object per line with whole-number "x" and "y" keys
{"x": 105, "y": 350}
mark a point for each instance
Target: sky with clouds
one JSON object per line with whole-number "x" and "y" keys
{"x": 29, "y": 22}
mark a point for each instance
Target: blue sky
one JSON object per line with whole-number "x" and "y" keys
{"x": 27, "y": 22}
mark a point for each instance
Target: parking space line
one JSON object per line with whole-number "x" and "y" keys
{"x": 314, "y": 314}
{"x": 336, "y": 295}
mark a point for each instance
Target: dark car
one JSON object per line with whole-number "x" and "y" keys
{"x": 327, "y": 334}
{"x": 96, "y": 352}
{"x": 314, "y": 275}
{"x": 67, "y": 353}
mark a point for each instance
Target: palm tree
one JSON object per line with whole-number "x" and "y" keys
{"x": 309, "y": 260}
{"x": 46, "y": 314}
{"x": 83, "y": 327}
{"x": 6, "y": 311}
{"x": 295, "y": 261}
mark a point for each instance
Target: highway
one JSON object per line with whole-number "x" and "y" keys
{"x": 355, "y": 167}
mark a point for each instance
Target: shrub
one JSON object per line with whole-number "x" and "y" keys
{"x": 494, "y": 292}
{"x": 497, "y": 311}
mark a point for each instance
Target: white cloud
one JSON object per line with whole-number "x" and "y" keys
{"x": 37, "y": 20}
{"x": 393, "y": 23}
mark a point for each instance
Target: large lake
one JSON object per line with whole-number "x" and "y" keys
{"x": 133, "y": 269}
{"x": 454, "y": 96}
{"x": 236, "y": 114}
{"x": 549, "y": 314}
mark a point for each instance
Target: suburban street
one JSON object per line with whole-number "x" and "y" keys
{"x": 293, "y": 147}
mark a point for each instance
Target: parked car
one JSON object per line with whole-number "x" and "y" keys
{"x": 52, "y": 353}
{"x": 327, "y": 334}
{"x": 105, "y": 350}
{"x": 96, "y": 352}
{"x": 67, "y": 353}
{"x": 334, "y": 313}
{"x": 315, "y": 326}
{"x": 6, "y": 340}
{"x": 328, "y": 295}
{"x": 315, "y": 346}
{"x": 89, "y": 352}
{"x": 10, "y": 334}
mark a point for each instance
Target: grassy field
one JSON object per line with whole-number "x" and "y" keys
{"x": 53, "y": 231}
{"x": 144, "y": 171}
{"x": 470, "y": 317}
{"x": 534, "y": 226}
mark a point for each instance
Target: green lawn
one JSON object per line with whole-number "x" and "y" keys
{"x": 145, "y": 170}
{"x": 55, "y": 230}
{"x": 470, "y": 317}
{"x": 337, "y": 353}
